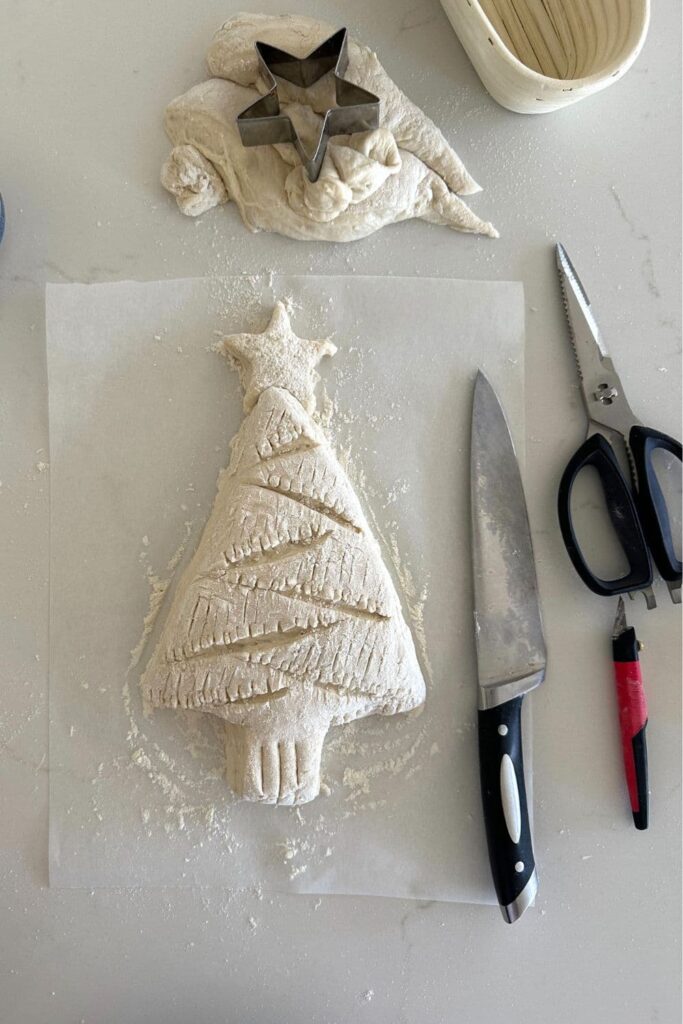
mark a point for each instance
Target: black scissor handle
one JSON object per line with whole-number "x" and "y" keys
{"x": 597, "y": 452}
{"x": 652, "y": 507}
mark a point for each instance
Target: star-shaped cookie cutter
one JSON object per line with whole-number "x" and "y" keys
{"x": 263, "y": 123}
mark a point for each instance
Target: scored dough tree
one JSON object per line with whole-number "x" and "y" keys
{"x": 286, "y": 620}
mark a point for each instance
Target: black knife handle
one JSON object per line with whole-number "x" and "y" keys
{"x": 506, "y": 816}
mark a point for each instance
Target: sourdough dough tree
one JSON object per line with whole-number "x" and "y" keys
{"x": 286, "y": 621}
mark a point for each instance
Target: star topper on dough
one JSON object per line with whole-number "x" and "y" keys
{"x": 263, "y": 123}
{"x": 277, "y": 358}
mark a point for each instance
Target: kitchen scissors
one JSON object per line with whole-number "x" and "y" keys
{"x": 635, "y": 503}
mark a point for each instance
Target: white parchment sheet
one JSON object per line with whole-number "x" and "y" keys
{"x": 141, "y": 415}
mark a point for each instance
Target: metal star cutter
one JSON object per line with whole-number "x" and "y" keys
{"x": 263, "y": 123}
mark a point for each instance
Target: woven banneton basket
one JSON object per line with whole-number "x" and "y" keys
{"x": 534, "y": 56}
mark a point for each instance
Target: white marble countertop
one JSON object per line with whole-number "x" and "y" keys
{"x": 82, "y": 90}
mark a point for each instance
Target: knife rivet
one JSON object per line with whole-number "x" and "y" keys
{"x": 502, "y": 730}
{"x": 519, "y": 867}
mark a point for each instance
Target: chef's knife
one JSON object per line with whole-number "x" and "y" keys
{"x": 511, "y": 654}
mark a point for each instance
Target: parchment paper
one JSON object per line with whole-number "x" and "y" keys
{"x": 141, "y": 415}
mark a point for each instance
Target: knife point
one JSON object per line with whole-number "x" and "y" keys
{"x": 482, "y": 385}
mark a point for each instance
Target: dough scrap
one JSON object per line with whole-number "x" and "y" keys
{"x": 403, "y": 169}
{"x": 286, "y": 620}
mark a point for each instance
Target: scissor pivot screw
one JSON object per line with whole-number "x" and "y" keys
{"x": 606, "y": 393}
{"x": 640, "y": 645}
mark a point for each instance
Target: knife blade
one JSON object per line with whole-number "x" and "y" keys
{"x": 511, "y": 652}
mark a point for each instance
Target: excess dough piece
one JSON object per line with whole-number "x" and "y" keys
{"x": 286, "y": 620}
{"x": 403, "y": 169}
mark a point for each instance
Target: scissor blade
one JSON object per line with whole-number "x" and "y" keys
{"x": 603, "y": 394}
{"x": 583, "y": 330}
{"x": 511, "y": 654}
